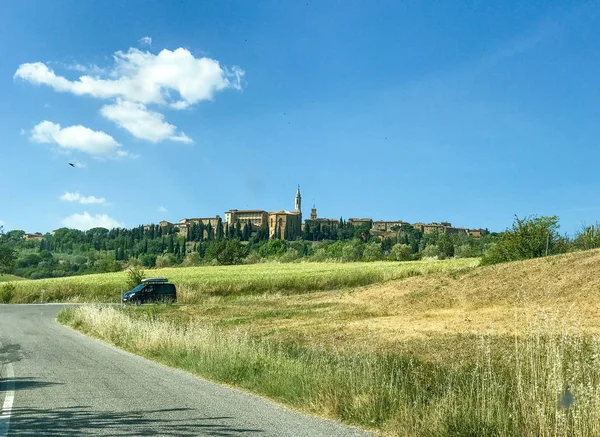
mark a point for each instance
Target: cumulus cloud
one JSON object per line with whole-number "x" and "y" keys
{"x": 162, "y": 209}
{"x": 141, "y": 122}
{"x": 76, "y": 197}
{"x": 78, "y": 137}
{"x": 145, "y": 41}
{"x": 87, "y": 221}
{"x": 144, "y": 77}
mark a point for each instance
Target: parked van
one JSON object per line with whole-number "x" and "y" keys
{"x": 151, "y": 290}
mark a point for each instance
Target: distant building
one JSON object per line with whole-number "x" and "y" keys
{"x": 36, "y": 236}
{"x": 434, "y": 227}
{"x": 360, "y": 221}
{"x": 164, "y": 224}
{"x": 255, "y": 216}
{"x": 388, "y": 226}
{"x": 477, "y": 233}
{"x": 285, "y": 225}
{"x": 185, "y": 224}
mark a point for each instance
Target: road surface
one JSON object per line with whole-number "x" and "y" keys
{"x": 55, "y": 381}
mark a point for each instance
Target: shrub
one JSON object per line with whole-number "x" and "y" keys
{"x": 320, "y": 255}
{"x": 7, "y": 291}
{"x": 134, "y": 277}
{"x": 431, "y": 251}
{"x": 164, "y": 261}
{"x": 401, "y": 252}
{"x": 148, "y": 260}
{"x": 530, "y": 237}
{"x": 349, "y": 252}
{"x": 372, "y": 252}
{"x": 290, "y": 256}
{"x": 192, "y": 259}
{"x": 253, "y": 258}
{"x": 466, "y": 251}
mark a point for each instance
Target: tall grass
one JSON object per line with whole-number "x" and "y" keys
{"x": 518, "y": 394}
{"x": 195, "y": 283}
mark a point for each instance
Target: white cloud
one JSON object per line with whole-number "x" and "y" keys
{"x": 141, "y": 122}
{"x": 87, "y": 221}
{"x": 145, "y": 41}
{"x": 76, "y": 197}
{"x": 2, "y": 223}
{"x": 77, "y": 137}
{"x": 144, "y": 77}
{"x": 162, "y": 209}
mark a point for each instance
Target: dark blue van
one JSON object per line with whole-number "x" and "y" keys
{"x": 151, "y": 290}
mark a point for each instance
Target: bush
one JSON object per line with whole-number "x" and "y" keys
{"x": 401, "y": 252}
{"x": 7, "y": 292}
{"x": 290, "y": 256}
{"x": 108, "y": 265}
{"x": 148, "y": 260}
{"x": 431, "y": 251}
{"x": 191, "y": 260}
{"x": 372, "y": 252}
{"x": 466, "y": 251}
{"x": 349, "y": 252}
{"x": 164, "y": 261}
{"x": 320, "y": 255}
{"x": 272, "y": 249}
{"x": 253, "y": 258}
{"x": 134, "y": 277}
{"x": 530, "y": 237}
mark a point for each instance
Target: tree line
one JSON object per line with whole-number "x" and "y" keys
{"x": 73, "y": 252}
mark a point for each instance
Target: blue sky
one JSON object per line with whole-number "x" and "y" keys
{"x": 420, "y": 111}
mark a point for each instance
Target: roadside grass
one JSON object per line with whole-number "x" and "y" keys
{"x": 509, "y": 385}
{"x": 195, "y": 284}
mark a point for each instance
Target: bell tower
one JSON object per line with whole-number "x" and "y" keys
{"x": 298, "y": 202}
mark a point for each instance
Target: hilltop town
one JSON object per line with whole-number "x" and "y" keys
{"x": 287, "y": 225}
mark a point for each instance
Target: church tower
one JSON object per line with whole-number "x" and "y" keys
{"x": 298, "y": 203}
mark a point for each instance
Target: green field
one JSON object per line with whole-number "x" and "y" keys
{"x": 194, "y": 284}
{"x": 7, "y": 278}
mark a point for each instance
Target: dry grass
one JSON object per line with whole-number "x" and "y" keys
{"x": 465, "y": 352}
{"x": 438, "y": 308}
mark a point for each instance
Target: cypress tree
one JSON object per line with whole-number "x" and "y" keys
{"x": 219, "y": 229}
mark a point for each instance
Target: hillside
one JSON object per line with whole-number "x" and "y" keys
{"x": 417, "y": 313}
{"x": 455, "y": 351}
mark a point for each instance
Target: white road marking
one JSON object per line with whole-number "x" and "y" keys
{"x": 8, "y": 400}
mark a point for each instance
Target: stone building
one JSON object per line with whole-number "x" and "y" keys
{"x": 36, "y": 236}
{"x": 255, "y": 216}
{"x": 360, "y": 221}
{"x": 287, "y": 225}
{"x": 185, "y": 224}
{"x": 388, "y": 226}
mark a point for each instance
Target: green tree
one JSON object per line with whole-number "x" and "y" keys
{"x": 401, "y": 252}
{"x": 272, "y": 249}
{"x": 219, "y": 230}
{"x": 529, "y": 237}
{"x": 372, "y": 252}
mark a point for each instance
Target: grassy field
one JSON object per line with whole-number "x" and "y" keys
{"x": 7, "y": 278}
{"x": 489, "y": 351}
{"x": 195, "y": 284}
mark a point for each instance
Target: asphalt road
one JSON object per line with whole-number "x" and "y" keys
{"x": 55, "y": 381}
